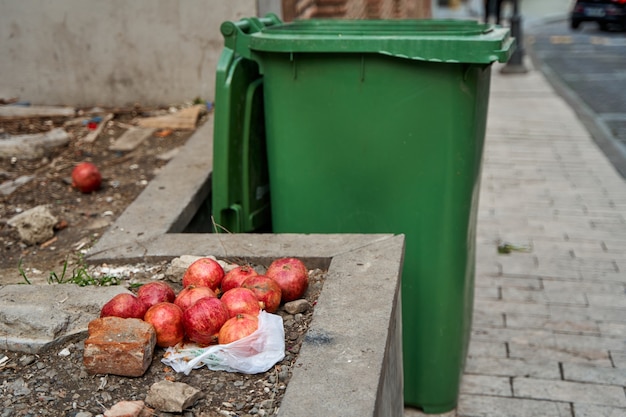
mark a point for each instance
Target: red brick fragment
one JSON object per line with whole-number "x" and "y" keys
{"x": 119, "y": 346}
{"x": 129, "y": 409}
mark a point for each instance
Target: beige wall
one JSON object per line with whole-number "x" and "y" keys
{"x": 113, "y": 52}
{"x": 152, "y": 52}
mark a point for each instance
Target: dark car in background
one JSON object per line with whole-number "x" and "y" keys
{"x": 606, "y": 13}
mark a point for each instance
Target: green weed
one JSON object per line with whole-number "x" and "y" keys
{"x": 80, "y": 276}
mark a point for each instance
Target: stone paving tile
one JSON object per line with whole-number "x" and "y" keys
{"x": 487, "y": 319}
{"x": 598, "y": 357}
{"x": 620, "y": 263}
{"x": 530, "y": 283}
{"x": 589, "y": 410}
{"x": 584, "y": 341}
{"x": 567, "y": 286}
{"x": 487, "y": 292}
{"x": 617, "y": 301}
{"x": 412, "y": 412}
{"x": 545, "y": 369}
{"x": 563, "y": 312}
{"x": 574, "y": 267}
{"x": 503, "y": 306}
{"x": 612, "y": 329}
{"x": 566, "y": 391}
{"x": 618, "y": 358}
{"x": 606, "y": 276}
{"x": 598, "y": 254}
{"x": 479, "y": 348}
{"x": 566, "y": 297}
{"x": 523, "y": 295}
{"x": 587, "y": 373}
{"x": 524, "y": 336}
{"x": 486, "y": 385}
{"x": 524, "y": 264}
{"x": 487, "y": 268}
{"x": 615, "y": 245}
{"x": 590, "y": 327}
{"x": 491, "y": 406}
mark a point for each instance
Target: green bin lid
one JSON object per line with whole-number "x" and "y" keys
{"x": 453, "y": 41}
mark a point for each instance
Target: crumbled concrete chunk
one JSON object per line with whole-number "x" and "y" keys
{"x": 35, "y": 225}
{"x": 172, "y": 397}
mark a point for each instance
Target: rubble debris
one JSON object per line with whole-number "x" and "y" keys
{"x": 119, "y": 346}
{"x": 9, "y": 100}
{"x": 33, "y": 146}
{"x": 99, "y": 223}
{"x": 132, "y": 138}
{"x": 163, "y": 133}
{"x": 30, "y": 321}
{"x": 129, "y": 409}
{"x": 35, "y": 225}
{"x": 8, "y": 187}
{"x": 177, "y": 267}
{"x": 21, "y": 112}
{"x": 93, "y": 135}
{"x": 168, "y": 155}
{"x": 185, "y": 119}
{"x": 297, "y": 306}
{"x": 48, "y": 242}
{"x": 172, "y": 397}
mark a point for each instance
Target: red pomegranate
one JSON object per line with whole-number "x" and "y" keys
{"x": 241, "y": 300}
{"x": 266, "y": 290}
{"x": 237, "y": 327}
{"x": 291, "y": 275}
{"x": 203, "y": 320}
{"x": 156, "y": 292}
{"x": 189, "y": 295}
{"x": 205, "y": 272}
{"x": 167, "y": 320}
{"x": 235, "y": 277}
{"x": 125, "y": 306}
{"x": 86, "y": 177}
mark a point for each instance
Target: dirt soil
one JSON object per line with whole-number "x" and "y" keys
{"x": 83, "y": 218}
{"x": 55, "y": 382}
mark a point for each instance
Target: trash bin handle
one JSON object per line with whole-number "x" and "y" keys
{"x": 236, "y": 34}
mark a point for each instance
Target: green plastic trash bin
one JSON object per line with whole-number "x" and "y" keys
{"x": 329, "y": 126}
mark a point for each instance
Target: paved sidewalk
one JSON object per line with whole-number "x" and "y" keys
{"x": 549, "y": 326}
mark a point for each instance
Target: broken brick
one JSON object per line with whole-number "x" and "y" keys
{"x": 129, "y": 409}
{"x": 119, "y": 346}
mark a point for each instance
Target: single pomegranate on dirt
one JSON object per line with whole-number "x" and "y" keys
{"x": 291, "y": 275}
{"x": 235, "y": 277}
{"x": 156, "y": 292}
{"x": 266, "y": 290}
{"x": 125, "y": 306}
{"x": 86, "y": 177}
{"x": 167, "y": 320}
{"x": 241, "y": 300}
{"x": 205, "y": 272}
{"x": 203, "y": 320}
{"x": 237, "y": 327}
{"x": 189, "y": 295}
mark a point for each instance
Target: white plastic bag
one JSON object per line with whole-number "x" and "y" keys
{"x": 251, "y": 355}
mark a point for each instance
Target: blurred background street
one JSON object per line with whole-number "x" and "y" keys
{"x": 585, "y": 66}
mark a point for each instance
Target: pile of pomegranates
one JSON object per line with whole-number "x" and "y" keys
{"x": 213, "y": 306}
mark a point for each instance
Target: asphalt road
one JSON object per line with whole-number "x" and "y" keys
{"x": 588, "y": 68}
